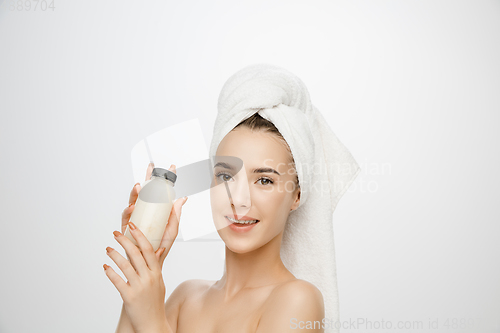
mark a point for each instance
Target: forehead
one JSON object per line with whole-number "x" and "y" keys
{"x": 255, "y": 148}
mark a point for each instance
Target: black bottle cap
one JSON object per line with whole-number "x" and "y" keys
{"x": 167, "y": 174}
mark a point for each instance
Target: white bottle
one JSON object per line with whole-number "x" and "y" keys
{"x": 153, "y": 206}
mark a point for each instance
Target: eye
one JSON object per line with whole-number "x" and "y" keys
{"x": 225, "y": 176}
{"x": 266, "y": 181}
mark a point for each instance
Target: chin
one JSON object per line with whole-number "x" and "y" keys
{"x": 238, "y": 246}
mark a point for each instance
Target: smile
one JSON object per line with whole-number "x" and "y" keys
{"x": 242, "y": 221}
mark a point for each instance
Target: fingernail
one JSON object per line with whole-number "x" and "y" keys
{"x": 137, "y": 184}
{"x": 132, "y": 226}
{"x": 161, "y": 251}
{"x": 116, "y": 233}
{"x": 109, "y": 249}
{"x": 185, "y": 199}
{"x": 130, "y": 204}
{"x": 105, "y": 266}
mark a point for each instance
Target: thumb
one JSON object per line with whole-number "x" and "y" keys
{"x": 159, "y": 252}
{"x": 172, "y": 228}
{"x": 175, "y": 216}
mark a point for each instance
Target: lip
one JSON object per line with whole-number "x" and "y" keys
{"x": 242, "y": 218}
{"x": 240, "y": 228}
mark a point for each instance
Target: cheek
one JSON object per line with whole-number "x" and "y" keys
{"x": 271, "y": 204}
{"x": 218, "y": 197}
{"x": 219, "y": 203}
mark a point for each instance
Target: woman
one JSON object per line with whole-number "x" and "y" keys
{"x": 257, "y": 292}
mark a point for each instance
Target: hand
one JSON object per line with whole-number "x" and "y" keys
{"x": 144, "y": 293}
{"x": 172, "y": 228}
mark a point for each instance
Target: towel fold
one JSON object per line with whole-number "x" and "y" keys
{"x": 325, "y": 168}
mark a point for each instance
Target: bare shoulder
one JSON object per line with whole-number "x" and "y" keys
{"x": 186, "y": 288}
{"x": 189, "y": 286}
{"x": 180, "y": 294}
{"x": 297, "y": 292}
{"x": 290, "y": 303}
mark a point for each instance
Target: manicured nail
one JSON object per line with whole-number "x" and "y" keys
{"x": 161, "y": 251}
{"x": 105, "y": 266}
{"x": 109, "y": 249}
{"x": 132, "y": 226}
{"x": 117, "y": 233}
{"x": 137, "y": 184}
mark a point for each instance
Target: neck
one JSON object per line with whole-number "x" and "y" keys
{"x": 257, "y": 268}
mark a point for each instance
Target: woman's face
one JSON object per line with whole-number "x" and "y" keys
{"x": 262, "y": 187}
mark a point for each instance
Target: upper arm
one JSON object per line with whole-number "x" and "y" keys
{"x": 175, "y": 300}
{"x": 295, "y": 306}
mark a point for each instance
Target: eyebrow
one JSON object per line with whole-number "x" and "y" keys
{"x": 258, "y": 170}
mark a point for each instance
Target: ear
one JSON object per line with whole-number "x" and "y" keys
{"x": 296, "y": 203}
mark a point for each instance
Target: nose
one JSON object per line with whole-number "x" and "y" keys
{"x": 239, "y": 194}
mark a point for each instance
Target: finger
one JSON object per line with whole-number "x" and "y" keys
{"x": 149, "y": 171}
{"x": 131, "y": 263}
{"x": 172, "y": 228}
{"x": 134, "y": 193}
{"x": 161, "y": 257}
{"x": 124, "y": 265}
{"x": 159, "y": 252}
{"x": 173, "y": 168}
{"x": 145, "y": 247}
{"x": 127, "y": 212}
{"x": 133, "y": 253}
{"x": 116, "y": 279}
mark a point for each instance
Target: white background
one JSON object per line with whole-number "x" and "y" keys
{"x": 410, "y": 87}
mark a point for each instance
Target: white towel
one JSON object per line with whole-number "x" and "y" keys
{"x": 324, "y": 166}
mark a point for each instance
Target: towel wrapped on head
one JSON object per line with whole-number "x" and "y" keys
{"x": 325, "y": 168}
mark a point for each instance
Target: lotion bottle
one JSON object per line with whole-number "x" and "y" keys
{"x": 153, "y": 206}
